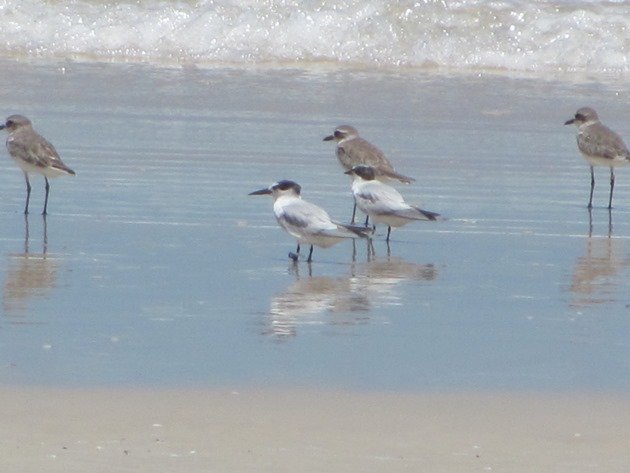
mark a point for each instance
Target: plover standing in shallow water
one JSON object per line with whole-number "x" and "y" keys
{"x": 33, "y": 153}
{"x": 307, "y": 222}
{"x": 599, "y": 145}
{"x": 352, "y": 150}
{"x": 383, "y": 203}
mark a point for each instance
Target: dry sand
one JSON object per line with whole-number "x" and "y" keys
{"x": 72, "y": 430}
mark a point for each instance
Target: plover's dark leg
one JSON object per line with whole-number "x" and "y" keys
{"x": 310, "y": 255}
{"x": 612, "y": 186}
{"x": 590, "y": 199}
{"x": 28, "y": 193}
{"x": 46, "y": 199}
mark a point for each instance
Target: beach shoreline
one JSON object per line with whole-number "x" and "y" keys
{"x": 273, "y": 429}
{"x": 519, "y": 289}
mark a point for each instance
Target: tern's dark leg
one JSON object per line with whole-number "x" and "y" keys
{"x": 389, "y": 231}
{"x": 367, "y": 220}
{"x": 46, "y": 199}
{"x": 28, "y": 193}
{"x": 612, "y": 186}
{"x": 294, "y": 256}
{"x": 310, "y": 255}
{"x": 590, "y": 200}
{"x": 354, "y": 212}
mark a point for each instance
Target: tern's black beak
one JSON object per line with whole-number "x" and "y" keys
{"x": 570, "y": 122}
{"x": 261, "y": 192}
{"x": 349, "y": 172}
{"x": 329, "y": 138}
{"x": 3, "y": 126}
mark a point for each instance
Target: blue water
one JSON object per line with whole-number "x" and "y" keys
{"x": 156, "y": 268}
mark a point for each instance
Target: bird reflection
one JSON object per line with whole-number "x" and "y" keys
{"x": 29, "y": 274}
{"x": 345, "y": 300}
{"x": 381, "y": 278}
{"x": 595, "y": 276}
{"x": 307, "y": 298}
{"x": 590, "y": 223}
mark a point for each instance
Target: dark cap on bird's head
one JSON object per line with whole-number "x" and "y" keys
{"x": 279, "y": 187}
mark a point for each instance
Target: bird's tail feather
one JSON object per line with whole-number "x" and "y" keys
{"x": 428, "y": 214}
{"x": 363, "y": 232}
{"x": 394, "y": 175}
{"x": 64, "y": 168}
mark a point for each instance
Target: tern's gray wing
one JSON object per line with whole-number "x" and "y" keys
{"x": 303, "y": 219}
{"x": 600, "y": 141}
{"x": 387, "y": 201}
{"x": 378, "y": 199}
{"x": 300, "y": 216}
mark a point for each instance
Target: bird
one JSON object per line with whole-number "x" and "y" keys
{"x": 599, "y": 145}
{"x": 382, "y": 202}
{"x": 33, "y": 154}
{"x": 353, "y": 150}
{"x": 307, "y": 222}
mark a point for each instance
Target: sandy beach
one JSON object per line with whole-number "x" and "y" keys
{"x": 288, "y": 430}
{"x": 489, "y": 331}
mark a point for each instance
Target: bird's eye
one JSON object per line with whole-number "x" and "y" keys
{"x": 9, "y": 123}
{"x": 338, "y": 134}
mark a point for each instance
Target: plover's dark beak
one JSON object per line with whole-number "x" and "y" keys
{"x": 2, "y": 127}
{"x": 348, "y": 172}
{"x": 570, "y": 122}
{"x": 329, "y": 138}
{"x": 261, "y": 192}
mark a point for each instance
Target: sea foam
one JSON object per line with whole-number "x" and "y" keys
{"x": 537, "y": 36}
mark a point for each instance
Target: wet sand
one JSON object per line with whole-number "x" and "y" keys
{"x": 57, "y": 430}
{"x": 154, "y": 268}
{"x": 154, "y": 265}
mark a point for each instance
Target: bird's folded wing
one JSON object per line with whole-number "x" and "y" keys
{"x": 602, "y": 141}
{"x": 382, "y": 202}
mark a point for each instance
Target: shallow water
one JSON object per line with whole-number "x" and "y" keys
{"x": 155, "y": 266}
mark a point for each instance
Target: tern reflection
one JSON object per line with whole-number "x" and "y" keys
{"x": 345, "y": 300}
{"x": 303, "y": 302}
{"x": 595, "y": 278}
{"x": 29, "y": 274}
{"x": 381, "y": 279}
